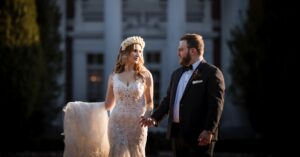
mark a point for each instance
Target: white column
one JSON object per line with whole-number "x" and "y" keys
{"x": 78, "y": 15}
{"x": 79, "y": 73}
{"x": 176, "y": 20}
{"x": 207, "y": 31}
{"x": 112, "y": 35}
{"x": 208, "y": 14}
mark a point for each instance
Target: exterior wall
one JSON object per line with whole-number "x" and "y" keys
{"x": 83, "y": 46}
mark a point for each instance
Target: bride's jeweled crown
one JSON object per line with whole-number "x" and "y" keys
{"x": 132, "y": 40}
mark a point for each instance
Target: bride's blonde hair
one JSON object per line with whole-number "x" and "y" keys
{"x": 125, "y": 50}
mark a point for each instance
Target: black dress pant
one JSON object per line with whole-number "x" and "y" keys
{"x": 183, "y": 149}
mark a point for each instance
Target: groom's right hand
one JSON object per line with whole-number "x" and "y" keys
{"x": 144, "y": 121}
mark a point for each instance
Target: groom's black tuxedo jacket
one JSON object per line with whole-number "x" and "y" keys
{"x": 201, "y": 104}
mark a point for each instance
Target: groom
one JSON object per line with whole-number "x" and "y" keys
{"x": 194, "y": 102}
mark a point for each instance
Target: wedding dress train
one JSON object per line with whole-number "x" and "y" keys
{"x": 85, "y": 130}
{"x": 89, "y": 132}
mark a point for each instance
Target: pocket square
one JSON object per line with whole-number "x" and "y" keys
{"x": 197, "y": 81}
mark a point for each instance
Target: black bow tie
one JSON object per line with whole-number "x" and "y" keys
{"x": 187, "y": 68}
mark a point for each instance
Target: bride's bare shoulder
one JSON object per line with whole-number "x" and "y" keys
{"x": 147, "y": 76}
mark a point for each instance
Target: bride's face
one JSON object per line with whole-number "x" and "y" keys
{"x": 135, "y": 55}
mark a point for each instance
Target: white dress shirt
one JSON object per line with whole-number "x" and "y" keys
{"x": 180, "y": 89}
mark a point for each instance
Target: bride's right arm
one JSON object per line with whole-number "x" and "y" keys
{"x": 110, "y": 98}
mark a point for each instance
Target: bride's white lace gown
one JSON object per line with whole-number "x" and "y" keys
{"x": 90, "y": 133}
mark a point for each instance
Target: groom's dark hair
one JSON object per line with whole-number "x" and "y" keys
{"x": 194, "y": 41}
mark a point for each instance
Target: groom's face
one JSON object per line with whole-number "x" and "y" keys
{"x": 183, "y": 53}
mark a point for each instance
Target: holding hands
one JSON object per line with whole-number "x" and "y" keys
{"x": 147, "y": 121}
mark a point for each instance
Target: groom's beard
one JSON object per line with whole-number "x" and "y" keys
{"x": 185, "y": 61}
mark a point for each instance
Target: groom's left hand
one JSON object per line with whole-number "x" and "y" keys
{"x": 205, "y": 138}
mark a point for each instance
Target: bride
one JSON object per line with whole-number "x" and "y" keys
{"x": 90, "y": 132}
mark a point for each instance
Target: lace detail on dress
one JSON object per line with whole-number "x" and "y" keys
{"x": 127, "y": 138}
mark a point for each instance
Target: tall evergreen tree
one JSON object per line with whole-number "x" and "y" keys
{"x": 48, "y": 21}
{"x": 21, "y": 70}
{"x": 249, "y": 55}
{"x": 263, "y": 70}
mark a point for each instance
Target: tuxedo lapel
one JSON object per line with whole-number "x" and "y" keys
{"x": 199, "y": 70}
